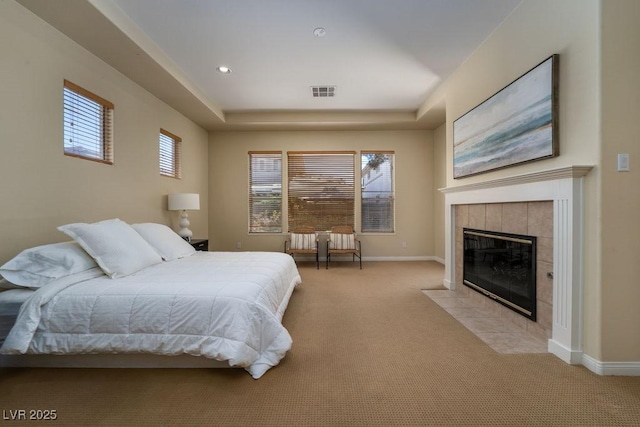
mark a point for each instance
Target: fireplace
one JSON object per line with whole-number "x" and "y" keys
{"x": 502, "y": 266}
{"x": 564, "y": 187}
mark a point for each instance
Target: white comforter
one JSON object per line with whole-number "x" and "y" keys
{"x": 226, "y": 306}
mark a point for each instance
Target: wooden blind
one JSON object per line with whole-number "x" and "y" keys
{"x": 170, "y": 150}
{"x": 321, "y": 189}
{"x": 88, "y": 124}
{"x": 378, "y": 196}
{"x": 265, "y": 192}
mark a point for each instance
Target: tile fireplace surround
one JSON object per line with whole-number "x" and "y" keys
{"x": 563, "y": 187}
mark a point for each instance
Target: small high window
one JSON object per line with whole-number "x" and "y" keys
{"x": 88, "y": 124}
{"x": 170, "y": 146}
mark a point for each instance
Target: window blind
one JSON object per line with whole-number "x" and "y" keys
{"x": 265, "y": 192}
{"x": 321, "y": 189}
{"x": 378, "y": 196}
{"x": 88, "y": 123}
{"x": 170, "y": 148}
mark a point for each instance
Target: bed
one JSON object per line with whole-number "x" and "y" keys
{"x": 222, "y": 307}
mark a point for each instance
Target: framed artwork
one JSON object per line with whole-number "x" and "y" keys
{"x": 516, "y": 125}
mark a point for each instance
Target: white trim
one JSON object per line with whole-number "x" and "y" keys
{"x": 548, "y": 175}
{"x": 400, "y": 258}
{"x": 563, "y": 353}
{"x": 630, "y": 369}
{"x": 347, "y": 258}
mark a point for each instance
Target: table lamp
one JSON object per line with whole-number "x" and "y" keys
{"x": 184, "y": 202}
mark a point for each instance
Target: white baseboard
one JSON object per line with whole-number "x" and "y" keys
{"x": 596, "y": 366}
{"x": 347, "y": 258}
{"x": 399, "y": 258}
{"x": 567, "y": 355}
{"x": 630, "y": 369}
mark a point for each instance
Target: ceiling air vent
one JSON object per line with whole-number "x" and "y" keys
{"x": 323, "y": 91}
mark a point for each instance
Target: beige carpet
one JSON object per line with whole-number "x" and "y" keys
{"x": 370, "y": 349}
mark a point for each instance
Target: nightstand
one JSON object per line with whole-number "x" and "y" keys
{"x": 200, "y": 244}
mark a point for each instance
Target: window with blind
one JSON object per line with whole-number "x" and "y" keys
{"x": 88, "y": 122}
{"x": 377, "y": 191}
{"x": 321, "y": 189}
{"x": 265, "y": 192}
{"x": 170, "y": 146}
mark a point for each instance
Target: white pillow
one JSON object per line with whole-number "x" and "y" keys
{"x": 117, "y": 248}
{"x": 303, "y": 241}
{"x": 37, "y": 266}
{"x": 164, "y": 240}
{"x": 341, "y": 241}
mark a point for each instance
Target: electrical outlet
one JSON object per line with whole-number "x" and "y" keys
{"x": 238, "y": 245}
{"x": 404, "y": 245}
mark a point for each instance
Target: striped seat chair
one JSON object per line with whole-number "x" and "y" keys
{"x": 302, "y": 240}
{"x": 342, "y": 240}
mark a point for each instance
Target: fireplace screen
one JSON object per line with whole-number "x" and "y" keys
{"x": 503, "y": 267}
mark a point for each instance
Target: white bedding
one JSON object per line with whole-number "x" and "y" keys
{"x": 12, "y": 299}
{"x": 226, "y": 306}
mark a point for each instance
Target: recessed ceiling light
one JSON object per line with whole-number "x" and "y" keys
{"x": 319, "y": 32}
{"x": 224, "y": 70}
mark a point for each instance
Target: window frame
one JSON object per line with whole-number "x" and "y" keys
{"x": 391, "y": 198}
{"x": 104, "y": 136}
{"x": 254, "y": 229}
{"x": 176, "y": 157}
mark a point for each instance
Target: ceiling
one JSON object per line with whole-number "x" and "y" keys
{"x": 384, "y": 58}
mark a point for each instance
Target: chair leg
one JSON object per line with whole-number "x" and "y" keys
{"x": 327, "y": 261}
{"x": 317, "y": 261}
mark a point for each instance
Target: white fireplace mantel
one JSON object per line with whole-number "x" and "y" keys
{"x": 563, "y": 186}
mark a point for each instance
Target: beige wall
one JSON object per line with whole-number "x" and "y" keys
{"x": 620, "y": 195}
{"x": 40, "y": 188}
{"x": 414, "y": 183}
{"x": 598, "y": 119}
{"x": 440, "y": 180}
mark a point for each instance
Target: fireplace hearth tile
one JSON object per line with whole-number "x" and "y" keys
{"x": 510, "y": 343}
{"x": 488, "y": 324}
{"x": 453, "y": 302}
{"x": 496, "y": 328}
{"x": 463, "y": 312}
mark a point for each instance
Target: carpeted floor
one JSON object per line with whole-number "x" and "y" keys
{"x": 369, "y": 349}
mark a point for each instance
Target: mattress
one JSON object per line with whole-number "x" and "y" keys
{"x": 10, "y": 302}
{"x": 226, "y": 306}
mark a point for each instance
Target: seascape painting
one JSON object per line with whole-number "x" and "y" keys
{"x": 516, "y": 125}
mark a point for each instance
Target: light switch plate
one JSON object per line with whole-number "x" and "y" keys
{"x": 623, "y": 162}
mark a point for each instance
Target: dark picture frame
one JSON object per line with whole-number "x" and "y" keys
{"x": 518, "y": 124}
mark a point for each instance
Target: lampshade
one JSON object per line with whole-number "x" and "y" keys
{"x": 184, "y": 202}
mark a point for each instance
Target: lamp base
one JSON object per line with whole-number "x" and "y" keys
{"x": 184, "y": 231}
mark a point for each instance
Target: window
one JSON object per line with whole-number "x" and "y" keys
{"x": 87, "y": 124}
{"x": 170, "y": 146}
{"x": 377, "y": 191}
{"x": 321, "y": 189}
{"x": 265, "y": 192}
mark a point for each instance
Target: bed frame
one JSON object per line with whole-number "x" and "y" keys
{"x": 108, "y": 361}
